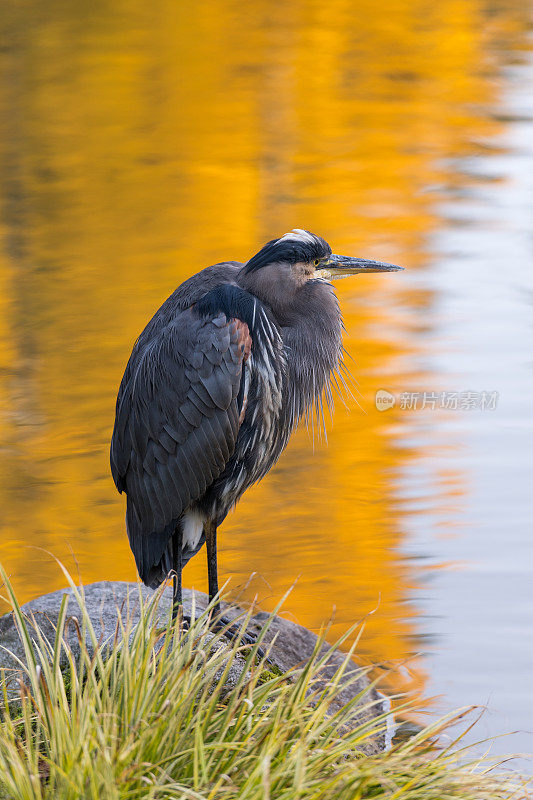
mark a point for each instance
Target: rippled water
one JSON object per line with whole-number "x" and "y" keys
{"x": 138, "y": 145}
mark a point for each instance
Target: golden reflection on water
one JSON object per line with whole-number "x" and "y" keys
{"x": 140, "y": 143}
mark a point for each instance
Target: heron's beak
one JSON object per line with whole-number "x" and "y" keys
{"x": 343, "y": 266}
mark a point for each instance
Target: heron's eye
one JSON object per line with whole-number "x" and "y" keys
{"x": 316, "y": 262}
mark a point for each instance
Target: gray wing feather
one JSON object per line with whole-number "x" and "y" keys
{"x": 176, "y": 424}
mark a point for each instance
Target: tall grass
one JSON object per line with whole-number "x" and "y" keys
{"x": 152, "y": 716}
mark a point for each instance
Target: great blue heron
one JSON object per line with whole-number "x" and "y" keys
{"x": 213, "y": 389}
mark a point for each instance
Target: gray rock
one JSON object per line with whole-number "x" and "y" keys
{"x": 292, "y": 645}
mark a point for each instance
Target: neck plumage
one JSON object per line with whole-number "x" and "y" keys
{"x": 313, "y": 344}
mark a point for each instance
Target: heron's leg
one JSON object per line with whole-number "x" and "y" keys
{"x": 177, "y": 542}
{"x": 230, "y": 630}
{"x": 210, "y": 530}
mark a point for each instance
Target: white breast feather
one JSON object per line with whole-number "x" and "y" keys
{"x": 193, "y": 525}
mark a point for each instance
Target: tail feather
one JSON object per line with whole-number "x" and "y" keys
{"x": 153, "y": 552}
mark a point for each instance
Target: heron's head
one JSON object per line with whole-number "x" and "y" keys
{"x": 300, "y": 256}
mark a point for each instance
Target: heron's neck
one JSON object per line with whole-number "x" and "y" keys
{"x": 309, "y": 318}
{"x": 312, "y": 337}
{"x": 275, "y": 287}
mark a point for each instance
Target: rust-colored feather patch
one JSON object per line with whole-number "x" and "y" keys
{"x": 243, "y": 337}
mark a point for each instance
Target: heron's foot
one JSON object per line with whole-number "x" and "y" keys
{"x": 184, "y": 619}
{"x": 185, "y": 623}
{"x": 234, "y": 632}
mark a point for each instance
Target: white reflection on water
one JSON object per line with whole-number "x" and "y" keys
{"x": 481, "y": 614}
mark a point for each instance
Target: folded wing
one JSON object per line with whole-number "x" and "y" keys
{"x": 177, "y": 421}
